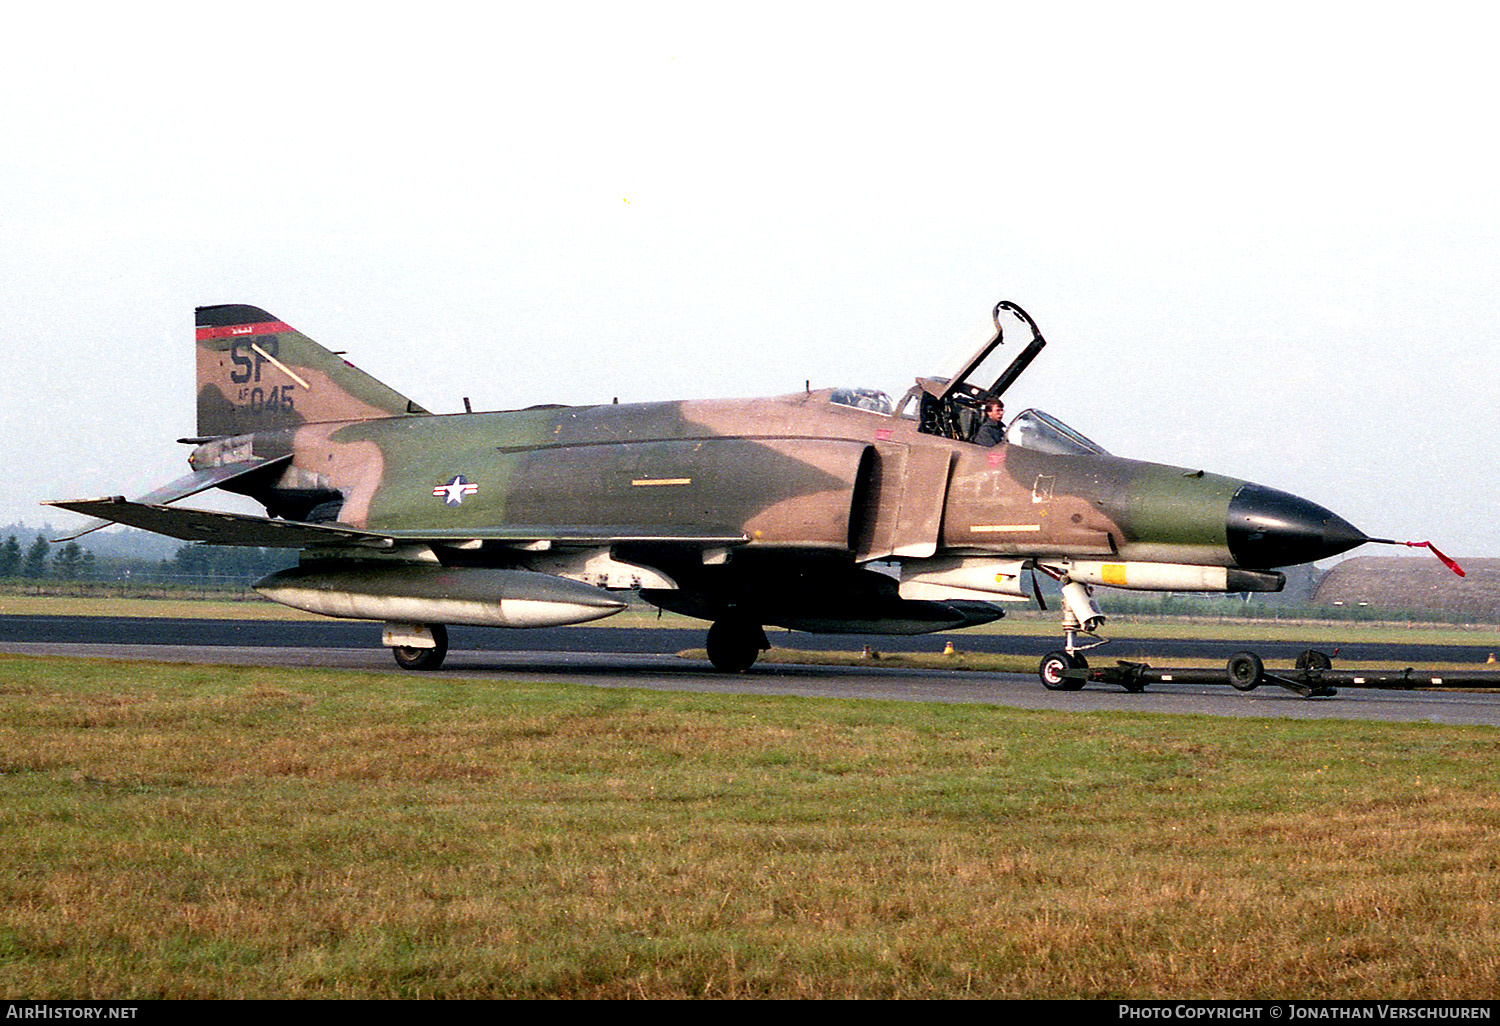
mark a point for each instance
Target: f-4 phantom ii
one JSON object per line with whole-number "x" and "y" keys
{"x": 828, "y": 510}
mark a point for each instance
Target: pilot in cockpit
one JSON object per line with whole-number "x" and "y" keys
{"x": 992, "y": 430}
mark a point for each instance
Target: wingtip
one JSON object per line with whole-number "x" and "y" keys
{"x": 94, "y": 523}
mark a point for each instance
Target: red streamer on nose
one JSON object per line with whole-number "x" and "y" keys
{"x": 1450, "y": 564}
{"x": 1447, "y": 562}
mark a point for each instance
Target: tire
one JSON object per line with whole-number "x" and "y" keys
{"x": 1052, "y": 665}
{"x": 1245, "y": 671}
{"x": 734, "y": 645}
{"x": 424, "y": 658}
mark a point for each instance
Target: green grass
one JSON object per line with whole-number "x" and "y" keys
{"x": 176, "y": 831}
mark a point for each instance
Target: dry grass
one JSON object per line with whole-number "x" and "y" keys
{"x": 218, "y": 832}
{"x": 17, "y": 604}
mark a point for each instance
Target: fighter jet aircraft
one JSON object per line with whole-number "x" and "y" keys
{"x": 830, "y": 510}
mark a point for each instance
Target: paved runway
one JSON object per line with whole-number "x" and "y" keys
{"x": 625, "y": 657}
{"x": 669, "y": 640}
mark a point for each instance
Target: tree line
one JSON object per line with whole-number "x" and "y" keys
{"x": 41, "y": 560}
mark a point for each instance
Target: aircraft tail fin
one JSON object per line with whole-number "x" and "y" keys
{"x": 256, "y": 373}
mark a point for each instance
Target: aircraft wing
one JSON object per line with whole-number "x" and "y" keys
{"x": 188, "y": 484}
{"x": 217, "y": 528}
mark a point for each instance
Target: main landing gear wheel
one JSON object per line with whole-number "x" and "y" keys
{"x": 1052, "y": 667}
{"x": 1245, "y": 670}
{"x": 409, "y": 658}
{"x": 734, "y": 645}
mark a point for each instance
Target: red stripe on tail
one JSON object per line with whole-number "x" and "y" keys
{"x": 244, "y": 330}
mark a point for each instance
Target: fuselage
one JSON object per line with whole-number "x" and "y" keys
{"x": 791, "y": 472}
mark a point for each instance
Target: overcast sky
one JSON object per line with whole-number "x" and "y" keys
{"x": 1262, "y": 240}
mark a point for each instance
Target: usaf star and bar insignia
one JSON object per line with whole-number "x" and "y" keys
{"x": 454, "y": 491}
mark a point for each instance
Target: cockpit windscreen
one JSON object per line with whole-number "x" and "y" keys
{"x": 1043, "y": 432}
{"x": 871, "y": 399}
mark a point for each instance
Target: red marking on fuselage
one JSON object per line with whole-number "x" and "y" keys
{"x": 228, "y": 330}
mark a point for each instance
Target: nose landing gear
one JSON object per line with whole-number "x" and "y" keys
{"x": 1067, "y": 669}
{"x": 1081, "y": 615}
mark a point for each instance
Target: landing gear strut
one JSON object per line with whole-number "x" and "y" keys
{"x": 414, "y": 656}
{"x": 1080, "y": 615}
{"x": 734, "y": 645}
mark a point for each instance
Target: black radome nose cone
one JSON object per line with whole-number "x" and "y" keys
{"x": 1270, "y": 528}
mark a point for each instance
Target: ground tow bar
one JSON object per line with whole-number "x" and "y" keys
{"x": 1313, "y": 676}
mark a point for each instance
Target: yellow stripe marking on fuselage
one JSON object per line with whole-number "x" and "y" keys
{"x": 642, "y": 482}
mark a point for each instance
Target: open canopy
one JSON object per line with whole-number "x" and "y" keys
{"x": 951, "y": 407}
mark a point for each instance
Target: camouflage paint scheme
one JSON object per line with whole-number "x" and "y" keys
{"x": 781, "y": 471}
{"x": 764, "y": 511}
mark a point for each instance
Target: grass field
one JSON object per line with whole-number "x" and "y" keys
{"x": 183, "y": 831}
